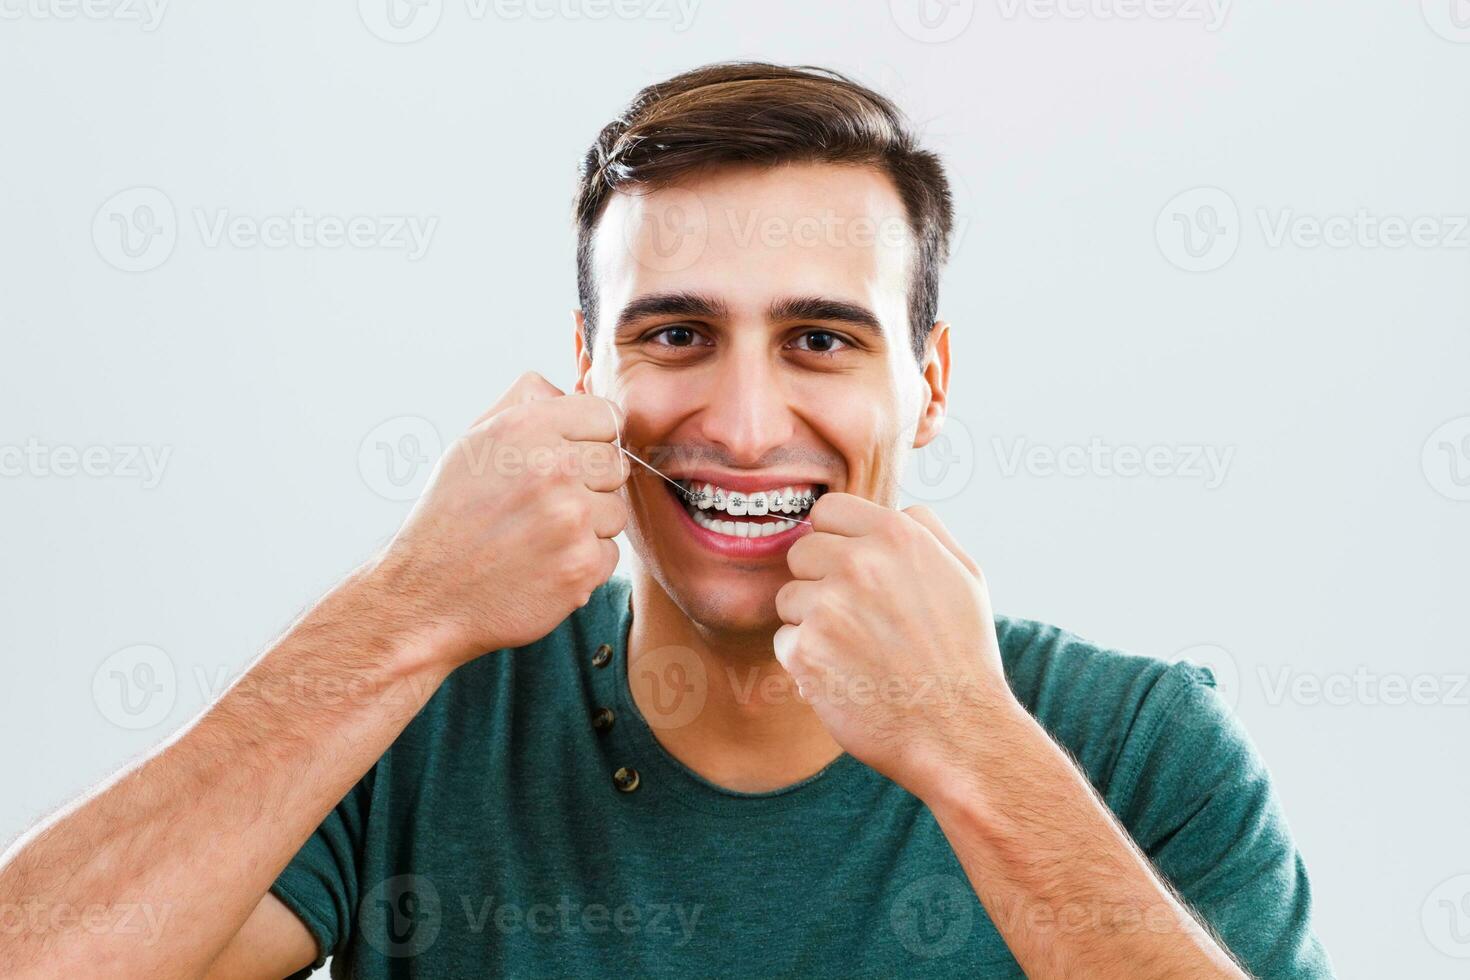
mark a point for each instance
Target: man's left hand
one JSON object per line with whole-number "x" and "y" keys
{"x": 890, "y": 637}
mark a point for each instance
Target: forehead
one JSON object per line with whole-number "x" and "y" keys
{"x": 752, "y": 235}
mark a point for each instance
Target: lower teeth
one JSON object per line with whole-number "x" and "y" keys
{"x": 741, "y": 529}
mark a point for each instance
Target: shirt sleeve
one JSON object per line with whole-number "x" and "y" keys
{"x": 1198, "y": 800}
{"x": 320, "y": 884}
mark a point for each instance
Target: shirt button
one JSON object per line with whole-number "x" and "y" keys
{"x": 626, "y": 779}
{"x": 602, "y": 656}
{"x": 603, "y": 718}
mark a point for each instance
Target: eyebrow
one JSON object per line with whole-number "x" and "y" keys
{"x": 830, "y": 310}
{"x": 671, "y": 304}
{"x": 685, "y": 304}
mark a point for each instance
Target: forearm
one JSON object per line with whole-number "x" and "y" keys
{"x": 154, "y": 872}
{"x": 1065, "y": 885}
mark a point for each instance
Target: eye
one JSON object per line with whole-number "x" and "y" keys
{"x": 820, "y": 342}
{"x": 678, "y": 335}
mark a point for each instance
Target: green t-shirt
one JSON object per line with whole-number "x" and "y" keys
{"x": 493, "y": 839}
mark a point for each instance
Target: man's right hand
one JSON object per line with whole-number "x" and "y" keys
{"x": 515, "y": 529}
{"x": 511, "y": 536}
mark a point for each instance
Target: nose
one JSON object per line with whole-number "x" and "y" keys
{"x": 746, "y": 409}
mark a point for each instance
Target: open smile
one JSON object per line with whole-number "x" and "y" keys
{"x": 743, "y": 520}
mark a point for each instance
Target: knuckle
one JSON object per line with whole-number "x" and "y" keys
{"x": 856, "y": 565}
{"x": 827, "y": 616}
{"x": 895, "y": 526}
{"x": 563, "y": 511}
{"x": 920, "y": 512}
{"x": 579, "y": 567}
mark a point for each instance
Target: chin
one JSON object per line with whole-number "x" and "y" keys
{"x": 731, "y": 603}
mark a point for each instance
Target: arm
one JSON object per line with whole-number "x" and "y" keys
{"x": 187, "y": 841}
{"x": 153, "y": 873}
{"x": 883, "y": 600}
{"x": 1061, "y": 879}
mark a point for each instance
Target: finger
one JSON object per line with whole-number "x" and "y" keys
{"x": 601, "y": 466}
{"x": 795, "y": 599}
{"x": 609, "y": 549}
{"x": 816, "y": 555}
{"x": 584, "y": 418}
{"x": 528, "y": 387}
{"x": 608, "y": 515}
{"x": 847, "y": 515}
{"x": 930, "y": 521}
{"x": 784, "y": 643}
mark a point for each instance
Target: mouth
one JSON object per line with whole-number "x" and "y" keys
{"x": 743, "y": 518}
{"x": 747, "y": 513}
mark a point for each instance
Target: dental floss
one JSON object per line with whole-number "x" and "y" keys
{"x": 618, "y": 441}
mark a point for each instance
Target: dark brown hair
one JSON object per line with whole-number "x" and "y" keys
{"x": 765, "y": 114}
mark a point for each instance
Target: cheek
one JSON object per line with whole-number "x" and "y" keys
{"x": 653, "y": 404}
{"x": 867, "y": 430}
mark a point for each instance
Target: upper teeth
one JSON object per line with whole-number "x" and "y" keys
{"x": 737, "y": 503}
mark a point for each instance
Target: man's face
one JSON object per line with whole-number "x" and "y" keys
{"x": 753, "y": 325}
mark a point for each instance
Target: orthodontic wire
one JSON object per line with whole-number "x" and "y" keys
{"x": 618, "y": 441}
{"x": 685, "y": 493}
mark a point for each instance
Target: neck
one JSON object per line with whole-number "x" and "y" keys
{"x": 719, "y": 702}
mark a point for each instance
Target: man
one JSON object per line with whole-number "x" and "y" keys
{"x": 796, "y": 743}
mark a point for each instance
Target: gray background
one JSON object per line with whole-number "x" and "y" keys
{"x": 1119, "y": 282}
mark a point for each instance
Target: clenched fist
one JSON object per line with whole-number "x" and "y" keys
{"x": 890, "y": 638}
{"x": 515, "y": 529}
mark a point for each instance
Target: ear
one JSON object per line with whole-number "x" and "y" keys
{"x": 583, "y": 353}
{"x": 935, "y": 371}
